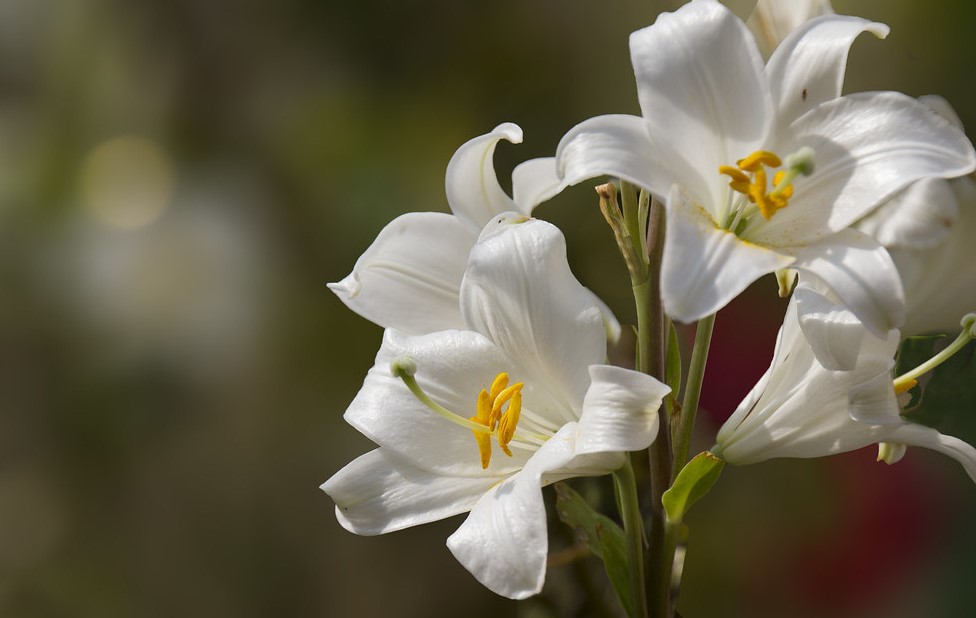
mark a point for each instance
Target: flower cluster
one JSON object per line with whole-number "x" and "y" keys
{"x": 492, "y": 378}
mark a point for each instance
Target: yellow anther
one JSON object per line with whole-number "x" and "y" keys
{"x": 506, "y": 428}
{"x": 755, "y": 185}
{"x": 740, "y": 182}
{"x": 756, "y": 160}
{"x": 904, "y": 386}
{"x": 483, "y": 438}
{"x": 498, "y": 385}
{"x": 491, "y": 414}
{"x": 503, "y": 397}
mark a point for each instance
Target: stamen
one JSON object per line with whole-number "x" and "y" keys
{"x": 891, "y": 452}
{"x": 492, "y": 416}
{"x": 756, "y": 160}
{"x": 498, "y": 385}
{"x": 755, "y": 187}
{"x": 506, "y": 428}
{"x": 740, "y": 182}
{"x": 483, "y": 417}
{"x": 907, "y": 380}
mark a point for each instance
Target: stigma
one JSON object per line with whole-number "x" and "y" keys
{"x": 498, "y": 409}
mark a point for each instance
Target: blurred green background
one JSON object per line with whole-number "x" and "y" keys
{"x": 178, "y": 182}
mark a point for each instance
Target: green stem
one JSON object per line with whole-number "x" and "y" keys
{"x": 650, "y": 327}
{"x": 689, "y": 406}
{"x": 630, "y": 513}
{"x": 907, "y": 380}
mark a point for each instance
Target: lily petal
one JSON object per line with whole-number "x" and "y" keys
{"x": 519, "y": 292}
{"x": 703, "y": 93}
{"x": 937, "y": 291}
{"x": 409, "y": 277}
{"x": 704, "y": 267}
{"x": 620, "y": 411}
{"x": 808, "y": 68}
{"x": 613, "y": 145}
{"x": 472, "y": 187}
{"x": 535, "y": 181}
{"x": 919, "y": 217}
{"x": 833, "y": 332}
{"x": 919, "y": 435}
{"x": 378, "y": 493}
{"x": 503, "y": 542}
{"x": 773, "y": 20}
{"x": 866, "y": 146}
{"x": 860, "y": 272}
{"x": 873, "y": 401}
{"x": 452, "y": 368}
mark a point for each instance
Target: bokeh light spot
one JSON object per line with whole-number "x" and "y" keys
{"x": 127, "y": 182}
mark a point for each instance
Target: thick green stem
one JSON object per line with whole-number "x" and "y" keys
{"x": 689, "y": 406}
{"x": 630, "y": 513}
{"x": 650, "y": 326}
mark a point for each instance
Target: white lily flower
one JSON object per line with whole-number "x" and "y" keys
{"x": 717, "y": 124}
{"x": 480, "y": 419}
{"x": 799, "y": 408}
{"x": 408, "y": 278}
{"x": 773, "y": 20}
{"x": 928, "y": 228}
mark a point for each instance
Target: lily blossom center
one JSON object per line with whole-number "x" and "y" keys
{"x": 498, "y": 410}
{"x": 749, "y": 178}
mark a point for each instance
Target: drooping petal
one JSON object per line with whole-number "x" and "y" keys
{"x": 614, "y": 145}
{"x": 801, "y": 409}
{"x": 808, "y": 68}
{"x": 703, "y": 93}
{"x": 378, "y": 493}
{"x": 452, "y": 368}
{"x": 872, "y": 401}
{"x": 833, "y": 332}
{"x": 704, "y": 267}
{"x": 860, "y": 272}
{"x": 866, "y": 146}
{"x": 535, "y": 181}
{"x": 919, "y": 217}
{"x": 519, "y": 292}
{"x": 620, "y": 410}
{"x": 504, "y": 542}
{"x": 409, "y": 277}
{"x": 472, "y": 187}
{"x": 919, "y": 435}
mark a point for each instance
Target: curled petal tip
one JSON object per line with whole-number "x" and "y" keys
{"x": 348, "y": 287}
{"x": 510, "y": 131}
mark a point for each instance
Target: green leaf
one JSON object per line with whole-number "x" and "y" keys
{"x": 672, "y": 369}
{"x": 691, "y": 485}
{"x": 603, "y": 536}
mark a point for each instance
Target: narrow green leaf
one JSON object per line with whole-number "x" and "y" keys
{"x": 672, "y": 369}
{"x": 691, "y": 485}
{"x": 601, "y": 535}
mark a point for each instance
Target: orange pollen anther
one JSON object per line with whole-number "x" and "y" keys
{"x": 493, "y": 414}
{"x": 905, "y": 386}
{"x": 750, "y": 179}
